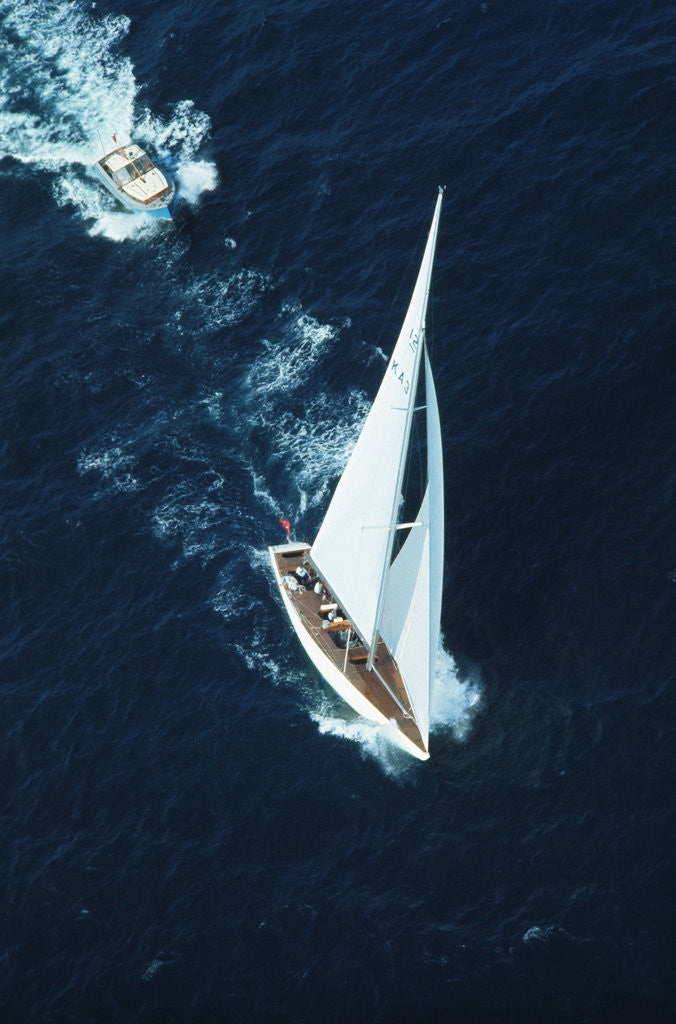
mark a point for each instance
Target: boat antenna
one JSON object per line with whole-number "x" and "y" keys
{"x": 101, "y": 142}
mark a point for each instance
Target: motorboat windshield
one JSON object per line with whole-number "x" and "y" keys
{"x": 134, "y": 169}
{"x": 143, "y": 164}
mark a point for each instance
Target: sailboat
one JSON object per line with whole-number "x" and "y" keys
{"x": 365, "y": 597}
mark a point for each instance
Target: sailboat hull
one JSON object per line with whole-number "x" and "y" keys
{"x": 314, "y": 645}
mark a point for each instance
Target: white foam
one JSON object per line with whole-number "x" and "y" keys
{"x": 213, "y": 403}
{"x": 371, "y": 738}
{"x": 217, "y": 303}
{"x": 262, "y": 492}
{"x": 313, "y": 447}
{"x": 196, "y": 177}
{"x": 453, "y": 703}
{"x": 257, "y": 657}
{"x": 62, "y": 77}
{"x": 112, "y": 464}
{"x": 182, "y": 134}
{"x": 543, "y": 935}
{"x": 318, "y": 446}
{"x": 189, "y": 516}
{"x": 260, "y": 559}
{"x": 152, "y": 969}
{"x": 104, "y": 216}
{"x": 315, "y": 442}
{"x": 232, "y": 600}
{"x": 286, "y": 363}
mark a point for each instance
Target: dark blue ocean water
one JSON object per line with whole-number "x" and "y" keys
{"x": 192, "y": 828}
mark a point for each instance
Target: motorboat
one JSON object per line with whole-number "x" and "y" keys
{"x": 132, "y": 177}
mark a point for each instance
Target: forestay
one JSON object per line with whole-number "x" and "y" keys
{"x": 354, "y": 544}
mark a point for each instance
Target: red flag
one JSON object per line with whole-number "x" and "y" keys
{"x": 286, "y": 525}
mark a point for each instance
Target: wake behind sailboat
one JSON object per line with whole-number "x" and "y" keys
{"x": 370, "y": 622}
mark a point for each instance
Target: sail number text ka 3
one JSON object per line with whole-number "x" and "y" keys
{"x": 399, "y": 374}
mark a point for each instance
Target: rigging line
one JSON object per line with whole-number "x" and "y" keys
{"x": 347, "y": 649}
{"x": 430, "y": 317}
{"x": 414, "y": 450}
{"x": 405, "y": 713}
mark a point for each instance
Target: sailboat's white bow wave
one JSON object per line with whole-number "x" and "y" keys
{"x": 453, "y": 706}
{"x": 372, "y": 738}
{"x": 62, "y": 77}
{"x": 453, "y": 702}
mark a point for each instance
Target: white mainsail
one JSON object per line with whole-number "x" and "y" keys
{"x": 352, "y": 551}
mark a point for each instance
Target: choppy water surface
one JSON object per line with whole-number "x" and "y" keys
{"x": 193, "y": 827}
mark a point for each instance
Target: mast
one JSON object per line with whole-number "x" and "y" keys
{"x": 407, "y": 433}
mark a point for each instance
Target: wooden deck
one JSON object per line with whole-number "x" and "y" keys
{"x": 307, "y": 604}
